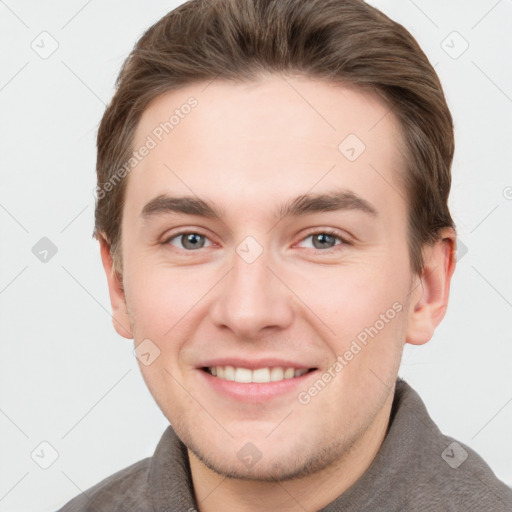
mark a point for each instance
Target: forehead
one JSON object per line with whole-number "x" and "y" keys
{"x": 277, "y": 136}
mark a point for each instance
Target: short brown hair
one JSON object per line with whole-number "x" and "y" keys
{"x": 343, "y": 41}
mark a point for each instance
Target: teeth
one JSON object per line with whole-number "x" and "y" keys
{"x": 276, "y": 374}
{"x": 229, "y": 373}
{"x": 260, "y": 375}
{"x": 289, "y": 373}
{"x": 243, "y": 375}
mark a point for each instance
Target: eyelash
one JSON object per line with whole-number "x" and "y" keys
{"x": 329, "y": 232}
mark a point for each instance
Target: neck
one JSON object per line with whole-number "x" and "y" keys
{"x": 215, "y": 492}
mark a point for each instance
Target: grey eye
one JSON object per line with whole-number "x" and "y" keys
{"x": 189, "y": 241}
{"x": 324, "y": 240}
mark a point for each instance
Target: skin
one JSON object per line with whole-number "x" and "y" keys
{"x": 249, "y": 148}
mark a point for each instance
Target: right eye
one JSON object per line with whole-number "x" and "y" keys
{"x": 188, "y": 240}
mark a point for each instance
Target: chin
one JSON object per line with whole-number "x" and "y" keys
{"x": 273, "y": 463}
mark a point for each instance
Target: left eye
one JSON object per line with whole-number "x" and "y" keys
{"x": 324, "y": 240}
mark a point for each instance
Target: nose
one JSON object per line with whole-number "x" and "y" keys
{"x": 252, "y": 299}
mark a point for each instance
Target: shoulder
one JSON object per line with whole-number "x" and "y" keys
{"x": 448, "y": 474}
{"x": 460, "y": 481}
{"x": 126, "y": 489}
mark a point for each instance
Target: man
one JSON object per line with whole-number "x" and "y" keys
{"x": 273, "y": 179}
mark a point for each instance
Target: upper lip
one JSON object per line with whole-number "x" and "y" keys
{"x": 253, "y": 364}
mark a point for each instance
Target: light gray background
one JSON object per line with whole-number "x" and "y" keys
{"x": 68, "y": 379}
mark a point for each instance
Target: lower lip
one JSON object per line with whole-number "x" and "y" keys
{"x": 253, "y": 392}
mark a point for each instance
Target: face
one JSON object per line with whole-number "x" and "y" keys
{"x": 287, "y": 269}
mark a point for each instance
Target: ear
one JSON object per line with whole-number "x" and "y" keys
{"x": 429, "y": 296}
{"x": 120, "y": 317}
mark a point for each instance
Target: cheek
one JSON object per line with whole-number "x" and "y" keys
{"x": 349, "y": 296}
{"x": 360, "y": 312}
{"x": 160, "y": 296}
{"x": 154, "y": 298}
{"x": 162, "y": 301}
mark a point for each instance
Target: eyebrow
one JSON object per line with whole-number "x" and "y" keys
{"x": 305, "y": 204}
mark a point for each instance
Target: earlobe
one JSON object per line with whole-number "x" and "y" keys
{"x": 120, "y": 317}
{"x": 431, "y": 290}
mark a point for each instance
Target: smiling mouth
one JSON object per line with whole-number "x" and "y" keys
{"x": 258, "y": 375}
